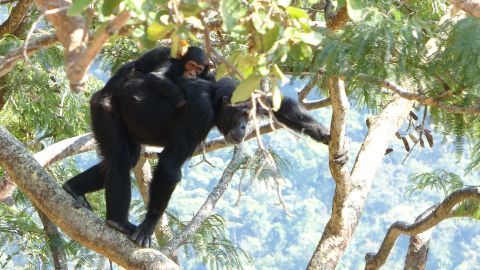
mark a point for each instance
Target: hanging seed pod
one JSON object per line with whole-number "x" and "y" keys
{"x": 405, "y": 143}
{"x": 398, "y": 135}
{"x": 427, "y": 130}
{"x": 429, "y": 139}
{"x": 413, "y": 115}
{"x": 422, "y": 143}
{"x": 388, "y": 151}
{"x": 413, "y": 138}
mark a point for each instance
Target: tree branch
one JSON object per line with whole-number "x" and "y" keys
{"x": 446, "y": 209}
{"x": 8, "y": 61}
{"x": 471, "y": 7}
{"x": 16, "y": 17}
{"x": 339, "y": 172}
{"x": 337, "y": 234}
{"x": 79, "y": 223}
{"x": 209, "y": 204}
{"x": 418, "y": 246}
{"x": 72, "y": 32}
{"x": 430, "y": 101}
{"x": 50, "y": 155}
{"x": 54, "y": 240}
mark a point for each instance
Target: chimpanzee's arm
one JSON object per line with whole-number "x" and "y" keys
{"x": 152, "y": 59}
{"x": 166, "y": 88}
{"x": 295, "y": 117}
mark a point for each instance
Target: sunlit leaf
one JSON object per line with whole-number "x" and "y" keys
{"x": 78, "y": 6}
{"x": 109, "y": 6}
{"x": 279, "y": 74}
{"x": 276, "y": 98}
{"x": 232, "y": 11}
{"x": 354, "y": 8}
{"x": 158, "y": 31}
{"x": 245, "y": 89}
{"x": 296, "y": 13}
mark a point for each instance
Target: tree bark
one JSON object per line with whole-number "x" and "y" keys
{"x": 418, "y": 247}
{"x": 471, "y": 7}
{"x": 54, "y": 241}
{"x": 349, "y": 201}
{"x": 446, "y": 209}
{"x": 16, "y": 17}
{"x": 79, "y": 223}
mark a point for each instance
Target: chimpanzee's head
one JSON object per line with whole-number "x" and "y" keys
{"x": 231, "y": 120}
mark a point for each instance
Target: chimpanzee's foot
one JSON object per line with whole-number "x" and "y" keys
{"x": 124, "y": 227}
{"x": 80, "y": 200}
{"x": 143, "y": 234}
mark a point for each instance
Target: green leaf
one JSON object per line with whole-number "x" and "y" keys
{"x": 109, "y": 6}
{"x": 232, "y": 11}
{"x": 279, "y": 74}
{"x": 312, "y": 38}
{"x": 221, "y": 71}
{"x": 301, "y": 51}
{"x": 270, "y": 37}
{"x": 276, "y": 98}
{"x": 245, "y": 89}
{"x": 157, "y": 31}
{"x": 354, "y": 8}
{"x": 296, "y": 13}
{"x": 78, "y": 6}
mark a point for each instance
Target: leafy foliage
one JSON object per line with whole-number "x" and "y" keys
{"x": 211, "y": 245}
{"x": 439, "y": 180}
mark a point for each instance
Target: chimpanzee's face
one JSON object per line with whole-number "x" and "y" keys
{"x": 233, "y": 122}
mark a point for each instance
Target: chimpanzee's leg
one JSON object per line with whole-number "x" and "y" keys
{"x": 191, "y": 130}
{"x": 119, "y": 154}
{"x": 88, "y": 181}
{"x": 295, "y": 117}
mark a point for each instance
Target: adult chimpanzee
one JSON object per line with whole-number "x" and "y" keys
{"x": 161, "y": 71}
{"x": 140, "y": 115}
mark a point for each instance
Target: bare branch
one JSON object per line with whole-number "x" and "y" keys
{"x": 418, "y": 246}
{"x": 446, "y": 209}
{"x": 79, "y": 223}
{"x": 209, "y": 204}
{"x": 8, "y": 61}
{"x": 54, "y": 240}
{"x": 72, "y": 32}
{"x": 430, "y": 101}
{"x": 471, "y": 7}
{"x": 16, "y": 17}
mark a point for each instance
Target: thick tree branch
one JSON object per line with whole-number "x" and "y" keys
{"x": 50, "y": 155}
{"x": 339, "y": 172}
{"x": 8, "y": 61}
{"x": 16, "y": 17}
{"x": 79, "y": 223}
{"x": 337, "y": 234}
{"x": 430, "y": 101}
{"x": 471, "y": 7}
{"x": 446, "y": 209}
{"x": 209, "y": 204}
